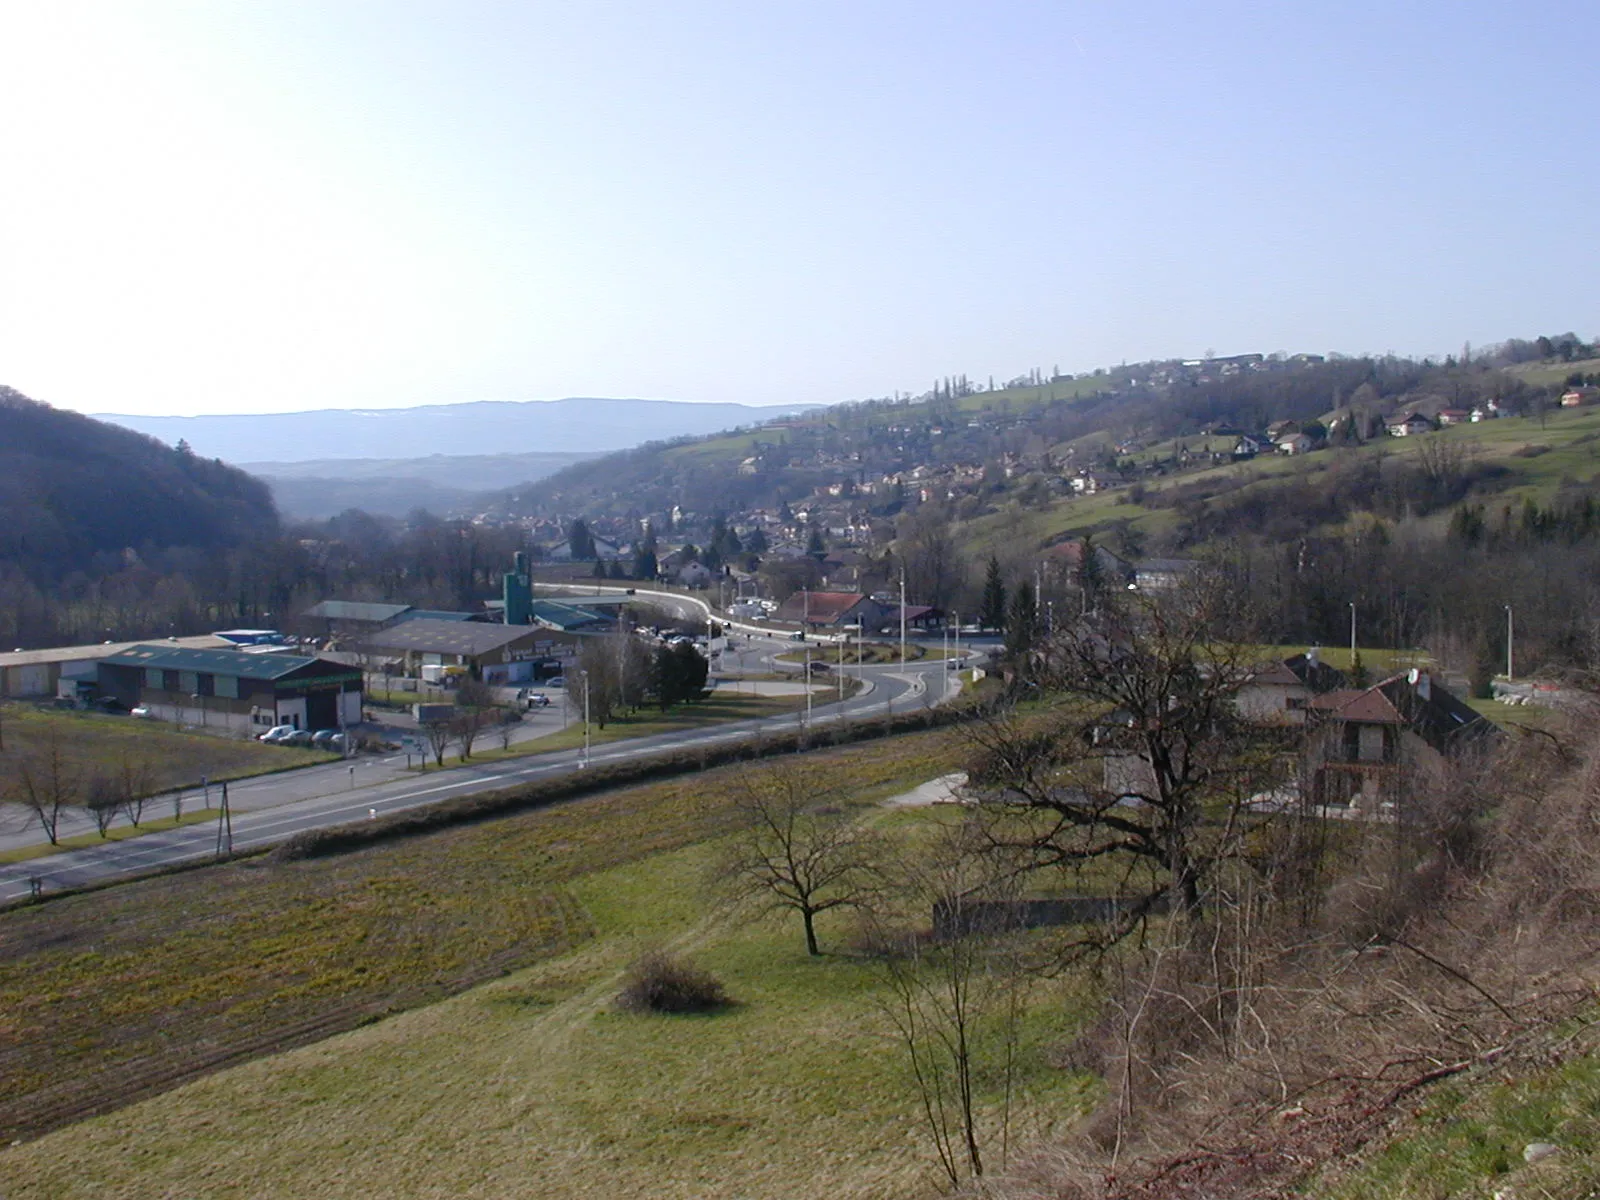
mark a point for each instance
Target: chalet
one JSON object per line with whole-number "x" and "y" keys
{"x": 918, "y": 617}
{"x": 1364, "y": 744}
{"x": 1248, "y": 447}
{"x": 831, "y": 610}
{"x": 234, "y": 690}
{"x": 1295, "y": 443}
{"x": 1454, "y": 416}
{"x": 1280, "y": 693}
{"x": 1410, "y": 425}
{"x": 1579, "y": 396}
{"x": 1485, "y": 412}
{"x": 1163, "y": 574}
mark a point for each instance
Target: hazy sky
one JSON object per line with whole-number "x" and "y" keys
{"x": 266, "y": 206}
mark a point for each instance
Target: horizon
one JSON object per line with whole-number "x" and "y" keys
{"x": 294, "y": 207}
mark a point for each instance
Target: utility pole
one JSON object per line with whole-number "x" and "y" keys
{"x": 902, "y": 622}
{"x": 1352, "y": 633}
{"x": 1510, "y": 635}
{"x": 224, "y": 827}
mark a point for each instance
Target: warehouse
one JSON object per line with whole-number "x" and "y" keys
{"x": 497, "y": 654}
{"x": 236, "y": 690}
{"x": 38, "y": 674}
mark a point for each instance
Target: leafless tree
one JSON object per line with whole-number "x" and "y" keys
{"x": 797, "y": 849}
{"x": 1145, "y": 761}
{"x": 439, "y": 735}
{"x": 46, "y": 781}
{"x": 956, "y": 999}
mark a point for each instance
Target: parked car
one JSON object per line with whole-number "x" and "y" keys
{"x": 536, "y": 700}
{"x": 140, "y": 711}
{"x": 276, "y": 734}
{"x": 296, "y": 737}
{"x": 323, "y": 739}
{"x": 558, "y": 681}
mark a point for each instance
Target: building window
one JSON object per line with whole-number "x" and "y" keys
{"x": 152, "y": 678}
{"x": 189, "y": 682}
{"x": 226, "y": 686}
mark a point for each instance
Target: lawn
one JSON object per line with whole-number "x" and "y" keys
{"x": 100, "y": 744}
{"x": 141, "y": 985}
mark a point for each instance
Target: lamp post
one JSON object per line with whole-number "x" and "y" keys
{"x": 1510, "y": 634}
{"x": 1352, "y": 633}
{"x": 585, "y": 675}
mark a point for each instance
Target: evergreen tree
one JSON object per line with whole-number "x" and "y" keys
{"x": 580, "y": 540}
{"x": 1022, "y": 620}
{"x": 814, "y": 544}
{"x": 644, "y": 562}
{"x": 992, "y": 614}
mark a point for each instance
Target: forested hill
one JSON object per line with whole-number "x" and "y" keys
{"x": 72, "y": 487}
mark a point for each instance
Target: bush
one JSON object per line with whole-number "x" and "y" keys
{"x": 660, "y": 983}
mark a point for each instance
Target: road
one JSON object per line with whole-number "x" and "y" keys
{"x": 270, "y": 809}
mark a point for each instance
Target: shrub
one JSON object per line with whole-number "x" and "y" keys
{"x": 660, "y": 983}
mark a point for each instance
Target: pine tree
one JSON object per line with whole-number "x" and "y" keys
{"x": 992, "y": 614}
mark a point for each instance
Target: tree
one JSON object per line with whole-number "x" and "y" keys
{"x": 814, "y": 543}
{"x": 1148, "y": 764}
{"x": 580, "y": 541}
{"x": 475, "y": 712}
{"x": 798, "y": 850}
{"x": 992, "y": 614}
{"x": 956, "y": 999}
{"x": 1022, "y": 621}
{"x": 439, "y": 734}
{"x": 678, "y": 675}
{"x": 45, "y": 781}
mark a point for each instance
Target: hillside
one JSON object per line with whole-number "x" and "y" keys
{"x": 444, "y": 484}
{"x": 72, "y": 487}
{"x": 486, "y": 427}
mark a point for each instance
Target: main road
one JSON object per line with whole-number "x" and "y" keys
{"x": 274, "y": 808}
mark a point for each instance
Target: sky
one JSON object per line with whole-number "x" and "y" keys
{"x": 217, "y": 206}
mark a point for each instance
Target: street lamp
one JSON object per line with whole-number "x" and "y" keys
{"x": 585, "y": 675}
{"x": 1352, "y": 633}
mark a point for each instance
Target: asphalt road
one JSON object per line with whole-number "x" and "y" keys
{"x": 273, "y": 808}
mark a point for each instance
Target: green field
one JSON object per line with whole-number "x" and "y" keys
{"x": 529, "y": 1084}
{"x": 164, "y": 756}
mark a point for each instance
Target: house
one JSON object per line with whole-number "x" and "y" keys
{"x": 1410, "y": 425}
{"x": 603, "y": 548}
{"x": 1295, "y": 443}
{"x": 1454, "y": 416}
{"x": 1364, "y": 745}
{"x": 235, "y": 690}
{"x": 918, "y": 617}
{"x": 694, "y": 574}
{"x": 831, "y": 610}
{"x": 1163, "y": 574}
{"x": 1110, "y": 566}
{"x": 1579, "y": 396}
{"x": 1280, "y": 693}
{"x": 1248, "y": 447}
{"x": 1485, "y": 412}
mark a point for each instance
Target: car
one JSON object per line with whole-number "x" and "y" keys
{"x": 820, "y": 668}
{"x": 276, "y": 734}
{"x": 295, "y": 737}
{"x": 140, "y": 710}
{"x": 536, "y": 700}
{"x": 323, "y": 739}
{"x": 556, "y": 681}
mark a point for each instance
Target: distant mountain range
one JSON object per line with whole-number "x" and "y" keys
{"x": 443, "y": 484}
{"x": 484, "y": 427}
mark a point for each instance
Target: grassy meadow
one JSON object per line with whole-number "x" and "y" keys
{"x": 99, "y": 743}
{"x": 523, "y": 1079}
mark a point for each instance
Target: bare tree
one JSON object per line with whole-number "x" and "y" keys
{"x": 798, "y": 850}
{"x": 439, "y": 735}
{"x": 956, "y": 999}
{"x": 475, "y": 712}
{"x": 46, "y": 781}
{"x": 135, "y": 779}
{"x": 1146, "y": 761}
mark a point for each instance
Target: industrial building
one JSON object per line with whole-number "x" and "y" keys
{"x": 236, "y": 690}
{"x": 498, "y": 654}
{"x": 39, "y": 674}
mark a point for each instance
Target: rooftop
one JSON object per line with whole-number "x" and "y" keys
{"x": 216, "y": 662}
{"x": 429, "y": 636}
{"x": 355, "y": 610}
{"x": 61, "y": 654}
